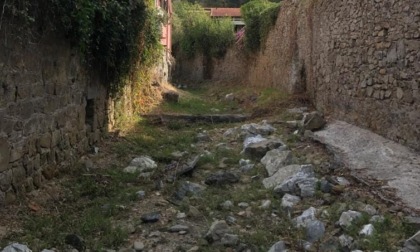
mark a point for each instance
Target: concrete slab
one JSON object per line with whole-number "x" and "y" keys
{"x": 370, "y": 155}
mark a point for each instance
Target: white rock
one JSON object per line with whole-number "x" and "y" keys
{"x": 275, "y": 160}
{"x": 345, "y": 240}
{"x": 307, "y": 216}
{"x": 141, "y": 164}
{"x": 16, "y": 247}
{"x": 348, "y": 217}
{"x": 138, "y": 246}
{"x": 265, "y": 204}
{"x": 367, "y": 230}
{"x": 288, "y": 201}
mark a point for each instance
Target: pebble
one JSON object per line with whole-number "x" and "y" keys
{"x": 181, "y": 215}
{"x": 243, "y": 205}
{"x": 150, "y": 217}
{"x": 227, "y": 205}
{"x": 178, "y": 228}
{"x": 138, "y": 245}
{"x": 265, "y": 204}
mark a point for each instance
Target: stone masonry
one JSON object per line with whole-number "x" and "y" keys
{"x": 358, "y": 60}
{"x": 51, "y": 111}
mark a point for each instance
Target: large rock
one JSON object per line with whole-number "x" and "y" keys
{"x": 140, "y": 165}
{"x": 412, "y": 244}
{"x": 348, "y": 217}
{"x": 263, "y": 129}
{"x": 275, "y": 159}
{"x": 315, "y": 230}
{"x": 307, "y": 216}
{"x": 221, "y": 178}
{"x": 279, "y": 246}
{"x": 302, "y": 183}
{"x": 280, "y": 176}
{"x": 289, "y": 201}
{"x": 259, "y": 149}
{"x": 186, "y": 189}
{"x": 220, "y": 234}
{"x": 313, "y": 121}
{"x": 16, "y": 247}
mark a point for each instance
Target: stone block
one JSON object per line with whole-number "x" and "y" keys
{"x": 45, "y": 141}
{"x": 18, "y": 176}
{"x": 6, "y": 180}
{"x": 4, "y": 154}
{"x": 55, "y": 138}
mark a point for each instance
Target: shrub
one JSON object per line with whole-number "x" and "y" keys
{"x": 259, "y": 17}
{"x": 195, "y": 31}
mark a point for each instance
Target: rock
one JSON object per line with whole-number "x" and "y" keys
{"x": 348, "y": 217}
{"x": 303, "y": 183}
{"x": 245, "y": 165}
{"x": 326, "y": 187}
{"x": 203, "y": 137}
{"x": 331, "y": 245}
{"x": 230, "y": 219}
{"x": 369, "y": 209}
{"x": 187, "y": 167}
{"x": 412, "y": 244}
{"x": 178, "y": 228}
{"x": 342, "y": 181}
{"x": 315, "y": 230}
{"x": 288, "y": 201}
{"x": 345, "y": 240}
{"x": 227, "y": 205}
{"x": 141, "y": 164}
{"x": 243, "y": 205}
{"x": 307, "y": 216}
{"x": 367, "y": 230}
{"x": 217, "y": 231}
{"x": 275, "y": 159}
{"x": 75, "y": 241}
{"x": 259, "y": 149}
{"x": 376, "y": 218}
{"x": 221, "y": 178}
{"x": 16, "y": 247}
{"x": 265, "y": 204}
{"x": 141, "y": 194}
{"x": 179, "y": 154}
{"x": 138, "y": 246}
{"x": 280, "y": 176}
{"x": 181, "y": 215}
{"x": 229, "y": 240}
{"x": 185, "y": 189}
{"x": 170, "y": 96}
{"x": 151, "y": 217}
{"x": 313, "y": 121}
{"x": 263, "y": 129}
{"x": 412, "y": 220}
{"x": 230, "y": 97}
{"x": 253, "y": 139}
{"x": 279, "y": 246}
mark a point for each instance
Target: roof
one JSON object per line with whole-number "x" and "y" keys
{"x": 225, "y": 12}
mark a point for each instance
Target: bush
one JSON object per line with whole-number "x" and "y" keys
{"x": 112, "y": 35}
{"x": 195, "y": 31}
{"x": 259, "y": 17}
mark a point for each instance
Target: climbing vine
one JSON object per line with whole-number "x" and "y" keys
{"x": 111, "y": 35}
{"x": 259, "y": 17}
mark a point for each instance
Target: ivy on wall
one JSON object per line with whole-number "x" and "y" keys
{"x": 112, "y": 35}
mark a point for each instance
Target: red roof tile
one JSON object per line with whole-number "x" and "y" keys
{"x": 225, "y": 12}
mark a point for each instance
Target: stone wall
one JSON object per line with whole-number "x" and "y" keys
{"x": 51, "y": 111}
{"x": 358, "y": 60}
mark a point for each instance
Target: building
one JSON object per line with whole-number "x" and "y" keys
{"x": 234, "y": 13}
{"x": 165, "y": 7}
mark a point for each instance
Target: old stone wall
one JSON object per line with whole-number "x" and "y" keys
{"x": 358, "y": 60}
{"x": 51, "y": 111}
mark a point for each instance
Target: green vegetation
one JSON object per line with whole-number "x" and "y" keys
{"x": 259, "y": 16}
{"x": 112, "y": 35}
{"x": 195, "y": 32}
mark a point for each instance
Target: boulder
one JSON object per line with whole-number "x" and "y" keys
{"x": 313, "y": 121}
{"x": 140, "y": 164}
{"x": 348, "y": 217}
{"x": 303, "y": 183}
{"x": 412, "y": 244}
{"x": 221, "y": 178}
{"x": 16, "y": 247}
{"x": 275, "y": 159}
{"x": 279, "y": 246}
{"x": 280, "y": 176}
{"x": 259, "y": 149}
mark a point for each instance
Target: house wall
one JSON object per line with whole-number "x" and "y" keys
{"x": 357, "y": 59}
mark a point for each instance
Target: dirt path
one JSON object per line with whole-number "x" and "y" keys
{"x": 194, "y": 187}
